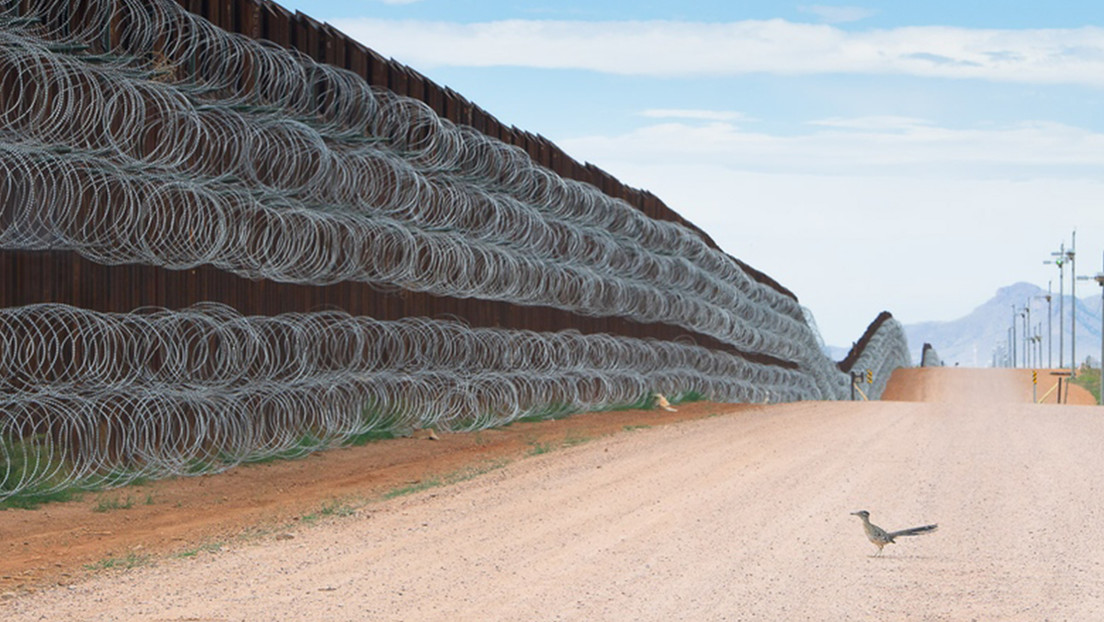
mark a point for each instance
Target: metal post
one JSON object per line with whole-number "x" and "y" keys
{"x": 1061, "y": 304}
{"x": 1027, "y": 333}
{"x": 1039, "y": 343}
{"x": 1012, "y": 341}
{"x": 1050, "y": 332}
{"x": 1061, "y": 308}
{"x": 1100, "y": 281}
{"x": 1060, "y": 260}
{"x": 1073, "y": 313}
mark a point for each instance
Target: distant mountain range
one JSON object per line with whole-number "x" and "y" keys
{"x": 974, "y": 340}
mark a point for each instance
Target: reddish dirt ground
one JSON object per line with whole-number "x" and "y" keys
{"x": 56, "y": 542}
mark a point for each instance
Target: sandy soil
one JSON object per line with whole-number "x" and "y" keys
{"x": 740, "y": 516}
{"x": 55, "y": 544}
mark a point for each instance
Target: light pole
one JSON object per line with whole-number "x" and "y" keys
{"x": 1027, "y": 334}
{"x": 1060, "y": 261}
{"x": 1039, "y": 343}
{"x": 1050, "y": 331}
{"x": 1012, "y": 339}
{"x": 1050, "y": 349}
{"x": 1073, "y": 301}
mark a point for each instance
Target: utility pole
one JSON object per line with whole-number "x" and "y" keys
{"x": 1039, "y": 343}
{"x": 1073, "y": 313}
{"x": 1050, "y": 331}
{"x": 1027, "y": 334}
{"x": 1060, "y": 260}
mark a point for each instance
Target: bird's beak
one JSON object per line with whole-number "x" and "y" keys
{"x": 855, "y": 513}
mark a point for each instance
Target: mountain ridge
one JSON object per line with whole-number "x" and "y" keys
{"x": 977, "y": 338}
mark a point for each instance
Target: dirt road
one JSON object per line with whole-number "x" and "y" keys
{"x": 741, "y": 516}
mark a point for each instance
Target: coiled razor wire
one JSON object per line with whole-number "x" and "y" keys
{"x": 126, "y": 144}
{"x": 486, "y": 189}
{"x": 886, "y": 351}
{"x": 929, "y": 357}
{"x": 93, "y": 399}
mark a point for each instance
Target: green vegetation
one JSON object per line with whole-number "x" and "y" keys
{"x": 644, "y": 402}
{"x": 330, "y": 508}
{"x": 26, "y": 458}
{"x": 547, "y": 412}
{"x": 306, "y": 444}
{"x": 1089, "y": 378}
{"x": 105, "y": 504}
{"x": 572, "y": 440}
{"x": 413, "y": 487}
{"x": 209, "y": 547}
{"x": 688, "y": 397}
{"x": 372, "y": 436}
{"x": 32, "y": 500}
{"x": 132, "y": 560}
{"x": 455, "y": 477}
{"x": 381, "y": 423}
{"x": 537, "y": 448}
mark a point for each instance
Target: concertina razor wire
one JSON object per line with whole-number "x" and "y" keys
{"x": 207, "y": 147}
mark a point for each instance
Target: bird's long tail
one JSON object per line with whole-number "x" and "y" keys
{"x": 914, "y": 531}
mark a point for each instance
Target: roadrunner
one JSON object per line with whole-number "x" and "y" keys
{"x": 880, "y": 537}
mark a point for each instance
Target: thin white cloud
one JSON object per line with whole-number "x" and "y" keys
{"x": 933, "y": 219}
{"x": 872, "y": 145}
{"x": 838, "y": 14}
{"x": 695, "y": 114}
{"x": 875, "y": 123}
{"x": 668, "y": 48}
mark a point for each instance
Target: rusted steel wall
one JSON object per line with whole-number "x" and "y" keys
{"x": 859, "y": 346}
{"x": 36, "y": 277}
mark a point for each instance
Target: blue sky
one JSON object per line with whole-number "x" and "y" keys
{"x": 906, "y": 156}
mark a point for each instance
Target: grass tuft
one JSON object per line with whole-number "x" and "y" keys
{"x": 105, "y": 504}
{"x": 209, "y": 547}
{"x": 132, "y": 560}
{"x": 455, "y": 477}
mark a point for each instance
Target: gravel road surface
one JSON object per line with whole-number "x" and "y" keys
{"x": 742, "y": 516}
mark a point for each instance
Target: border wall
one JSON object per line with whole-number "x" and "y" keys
{"x": 228, "y": 232}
